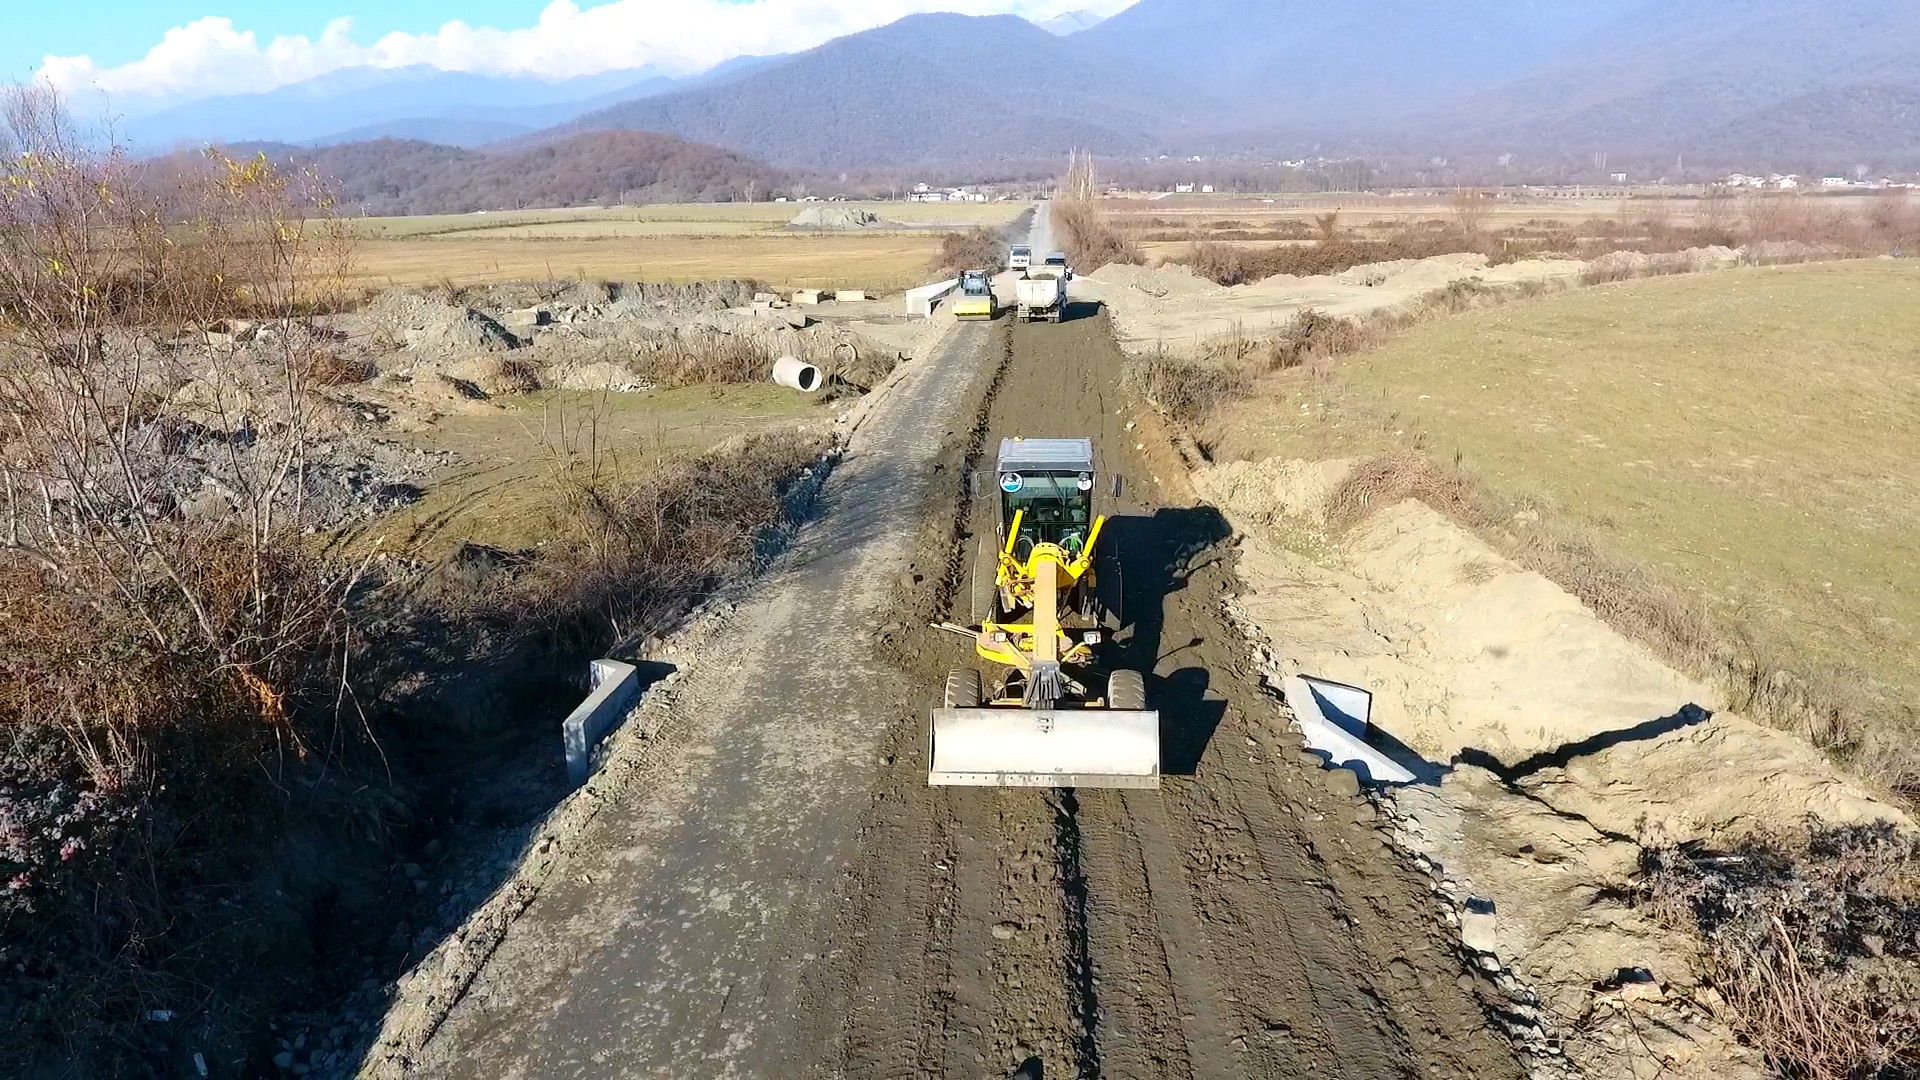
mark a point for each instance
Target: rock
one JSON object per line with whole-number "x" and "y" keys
{"x": 1004, "y": 931}
{"x": 1477, "y": 927}
{"x": 1342, "y": 782}
{"x": 283, "y": 1060}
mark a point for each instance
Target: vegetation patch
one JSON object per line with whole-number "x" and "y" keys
{"x": 1813, "y": 943}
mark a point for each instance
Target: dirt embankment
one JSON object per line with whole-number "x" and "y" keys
{"x": 1174, "y": 308}
{"x": 1556, "y": 755}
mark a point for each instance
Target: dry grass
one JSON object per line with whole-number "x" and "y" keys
{"x": 975, "y": 249}
{"x": 880, "y": 263}
{"x": 671, "y": 243}
{"x": 1813, "y": 943}
{"x": 1794, "y": 228}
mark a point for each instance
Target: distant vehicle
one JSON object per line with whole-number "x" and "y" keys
{"x": 1019, "y": 258}
{"x": 976, "y": 296}
{"x": 1057, "y": 260}
{"x": 1042, "y": 294}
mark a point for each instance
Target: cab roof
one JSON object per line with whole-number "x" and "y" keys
{"x": 1046, "y": 455}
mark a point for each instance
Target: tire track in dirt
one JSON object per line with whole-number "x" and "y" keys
{"x": 1283, "y": 924}
{"x": 1245, "y": 920}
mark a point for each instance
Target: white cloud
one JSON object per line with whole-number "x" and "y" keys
{"x": 212, "y": 56}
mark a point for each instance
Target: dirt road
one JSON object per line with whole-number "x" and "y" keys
{"x": 792, "y": 899}
{"x": 1243, "y": 921}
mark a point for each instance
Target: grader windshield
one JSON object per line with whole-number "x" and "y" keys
{"x": 1048, "y": 485}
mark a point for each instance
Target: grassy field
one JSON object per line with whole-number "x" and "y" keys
{"x": 1369, "y": 212}
{"x": 1752, "y": 436}
{"x": 507, "y": 490}
{"x": 676, "y": 243}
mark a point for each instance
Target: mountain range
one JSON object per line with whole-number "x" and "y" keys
{"x": 1744, "y": 83}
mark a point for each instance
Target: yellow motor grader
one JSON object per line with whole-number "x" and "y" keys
{"x": 1052, "y": 716}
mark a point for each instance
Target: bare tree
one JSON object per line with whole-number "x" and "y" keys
{"x": 157, "y": 341}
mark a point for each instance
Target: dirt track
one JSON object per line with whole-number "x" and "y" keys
{"x": 1242, "y": 921}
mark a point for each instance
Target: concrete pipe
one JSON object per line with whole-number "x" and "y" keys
{"x": 796, "y": 374}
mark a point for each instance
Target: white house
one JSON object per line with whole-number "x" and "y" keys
{"x": 1206, "y": 189}
{"x": 1183, "y": 189}
{"x": 1833, "y": 181}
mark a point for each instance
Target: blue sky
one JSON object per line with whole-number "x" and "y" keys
{"x": 116, "y": 31}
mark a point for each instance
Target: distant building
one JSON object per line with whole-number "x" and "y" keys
{"x": 1833, "y": 181}
{"x": 1183, "y": 189}
{"x": 1206, "y": 189}
{"x": 1618, "y": 178}
{"x": 927, "y": 196}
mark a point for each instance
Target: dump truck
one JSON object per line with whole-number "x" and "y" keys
{"x": 1042, "y": 294}
{"x": 1056, "y": 713}
{"x": 976, "y": 296}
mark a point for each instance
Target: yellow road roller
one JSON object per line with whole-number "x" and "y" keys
{"x": 976, "y": 299}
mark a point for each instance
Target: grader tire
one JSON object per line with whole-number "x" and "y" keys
{"x": 985, "y": 590}
{"x": 963, "y": 689}
{"x": 1126, "y": 690}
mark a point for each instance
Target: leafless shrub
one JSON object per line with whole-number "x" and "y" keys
{"x": 156, "y": 662}
{"x": 1471, "y": 208}
{"x": 1189, "y": 390}
{"x": 1814, "y": 943}
{"x": 975, "y": 249}
{"x": 1092, "y": 241}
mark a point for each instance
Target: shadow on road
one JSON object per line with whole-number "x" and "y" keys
{"x": 1158, "y": 556}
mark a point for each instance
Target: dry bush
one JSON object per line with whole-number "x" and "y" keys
{"x": 697, "y": 358}
{"x": 1189, "y": 390}
{"x": 1814, "y": 944}
{"x": 158, "y": 670}
{"x": 1092, "y": 240}
{"x": 328, "y": 367}
{"x": 644, "y": 545}
{"x": 975, "y": 249}
{"x": 1382, "y": 481}
{"x": 1226, "y": 264}
{"x": 1313, "y": 335}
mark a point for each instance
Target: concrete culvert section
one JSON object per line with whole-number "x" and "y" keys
{"x": 796, "y": 374}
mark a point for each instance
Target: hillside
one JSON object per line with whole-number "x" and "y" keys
{"x": 928, "y": 88}
{"x": 1666, "y": 76}
{"x": 390, "y": 176}
{"x": 1310, "y": 63}
{"x": 351, "y": 102}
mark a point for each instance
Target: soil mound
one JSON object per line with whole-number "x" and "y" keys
{"x": 839, "y": 217}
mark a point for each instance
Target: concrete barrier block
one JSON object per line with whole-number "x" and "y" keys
{"x": 615, "y": 686}
{"x": 920, "y": 301}
{"x": 807, "y": 296}
{"x": 850, "y": 296}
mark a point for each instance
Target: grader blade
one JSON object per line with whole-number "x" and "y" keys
{"x": 1079, "y": 748}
